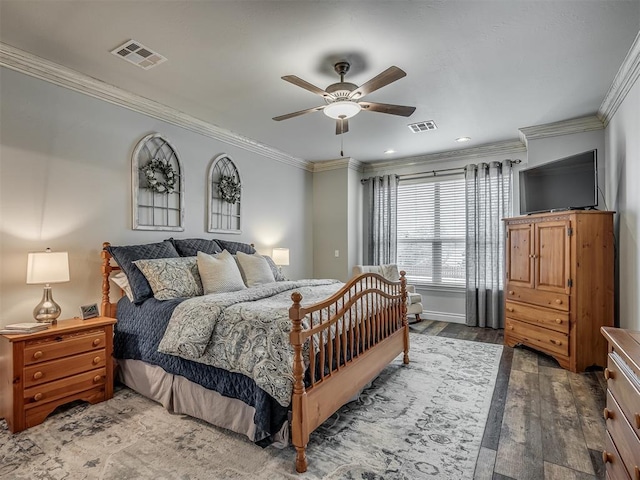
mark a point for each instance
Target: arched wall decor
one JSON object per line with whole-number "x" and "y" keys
{"x": 225, "y": 196}
{"x": 157, "y": 185}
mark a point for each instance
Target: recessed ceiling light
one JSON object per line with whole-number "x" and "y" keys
{"x": 390, "y": 151}
{"x": 463, "y": 139}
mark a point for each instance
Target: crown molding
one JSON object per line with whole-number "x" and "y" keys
{"x": 508, "y": 147}
{"x": 624, "y": 80}
{"x": 347, "y": 162}
{"x": 38, "y": 67}
{"x": 564, "y": 127}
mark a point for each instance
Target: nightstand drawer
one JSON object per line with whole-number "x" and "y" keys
{"x": 613, "y": 462}
{"x": 65, "y": 387}
{"x": 64, "y": 367}
{"x": 623, "y": 436}
{"x": 625, "y": 388}
{"x": 537, "y": 337}
{"x": 59, "y": 346}
{"x": 553, "y": 319}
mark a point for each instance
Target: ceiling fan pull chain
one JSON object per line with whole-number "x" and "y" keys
{"x": 341, "y": 145}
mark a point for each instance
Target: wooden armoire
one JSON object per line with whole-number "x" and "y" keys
{"x": 559, "y": 286}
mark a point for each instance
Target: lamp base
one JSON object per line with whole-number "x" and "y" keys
{"x": 47, "y": 311}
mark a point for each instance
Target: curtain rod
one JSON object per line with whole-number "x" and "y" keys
{"x": 435, "y": 173}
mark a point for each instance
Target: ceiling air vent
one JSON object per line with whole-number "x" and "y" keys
{"x": 422, "y": 126}
{"x": 138, "y": 54}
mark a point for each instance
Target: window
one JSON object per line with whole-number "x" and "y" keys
{"x": 431, "y": 231}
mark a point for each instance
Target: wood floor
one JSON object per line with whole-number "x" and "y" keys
{"x": 544, "y": 423}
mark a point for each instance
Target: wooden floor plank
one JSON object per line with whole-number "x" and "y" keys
{"x": 491, "y": 436}
{"x": 562, "y": 438}
{"x": 484, "y": 465}
{"x": 590, "y": 401}
{"x": 520, "y": 448}
{"x": 558, "y": 472}
{"x": 452, "y": 330}
{"x": 525, "y": 360}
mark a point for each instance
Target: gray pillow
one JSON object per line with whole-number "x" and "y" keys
{"x": 235, "y": 247}
{"x": 189, "y": 247}
{"x": 277, "y": 272}
{"x": 255, "y": 269}
{"x": 172, "y": 277}
{"x": 126, "y": 255}
{"x": 219, "y": 273}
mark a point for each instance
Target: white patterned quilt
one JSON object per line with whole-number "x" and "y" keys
{"x": 245, "y": 332}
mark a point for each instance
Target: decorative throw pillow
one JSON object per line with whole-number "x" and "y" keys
{"x": 219, "y": 273}
{"x": 189, "y": 247}
{"x": 126, "y": 255}
{"x": 254, "y": 269}
{"x": 277, "y": 273}
{"x": 172, "y": 277}
{"x": 120, "y": 279}
{"x": 235, "y": 247}
{"x": 390, "y": 272}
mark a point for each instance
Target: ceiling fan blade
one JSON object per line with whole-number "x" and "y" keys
{"x": 401, "y": 110}
{"x": 390, "y": 75}
{"x": 297, "y": 114}
{"x": 306, "y": 85}
{"x": 342, "y": 126}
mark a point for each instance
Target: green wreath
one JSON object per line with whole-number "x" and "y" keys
{"x": 229, "y": 189}
{"x": 164, "y": 168}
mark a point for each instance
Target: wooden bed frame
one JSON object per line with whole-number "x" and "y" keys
{"x": 352, "y": 351}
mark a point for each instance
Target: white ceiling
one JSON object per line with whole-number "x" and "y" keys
{"x": 480, "y": 69}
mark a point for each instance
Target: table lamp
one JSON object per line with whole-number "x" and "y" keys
{"x": 46, "y": 268}
{"x": 280, "y": 257}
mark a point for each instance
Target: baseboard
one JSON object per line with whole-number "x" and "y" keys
{"x": 444, "y": 316}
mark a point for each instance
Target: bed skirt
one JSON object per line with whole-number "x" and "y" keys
{"x": 182, "y": 396}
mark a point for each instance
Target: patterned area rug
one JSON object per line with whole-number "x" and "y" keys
{"x": 424, "y": 420}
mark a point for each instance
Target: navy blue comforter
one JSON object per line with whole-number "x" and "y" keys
{"x": 137, "y": 335}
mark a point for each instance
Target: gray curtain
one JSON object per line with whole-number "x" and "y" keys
{"x": 382, "y": 203}
{"x": 488, "y": 201}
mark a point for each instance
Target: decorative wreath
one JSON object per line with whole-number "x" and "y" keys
{"x": 229, "y": 189}
{"x": 165, "y": 169}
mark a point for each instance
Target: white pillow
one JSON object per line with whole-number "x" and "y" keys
{"x": 121, "y": 280}
{"x": 254, "y": 269}
{"x": 219, "y": 273}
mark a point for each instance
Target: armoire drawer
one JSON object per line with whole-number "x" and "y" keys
{"x": 558, "y": 301}
{"x": 537, "y": 337}
{"x": 547, "y": 318}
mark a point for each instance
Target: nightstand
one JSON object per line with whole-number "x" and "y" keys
{"x": 71, "y": 360}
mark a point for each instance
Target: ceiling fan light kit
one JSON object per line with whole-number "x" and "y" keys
{"x": 343, "y": 98}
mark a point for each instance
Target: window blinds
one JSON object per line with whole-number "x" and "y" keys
{"x": 431, "y": 230}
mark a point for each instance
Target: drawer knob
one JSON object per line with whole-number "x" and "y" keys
{"x": 511, "y": 292}
{"x": 37, "y": 375}
{"x": 510, "y": 309}
{"x": 636, "y": 417}
{"x": 96, "y": 360}
{"x": 510, "y": 327}
{"x": 607, "y": 457}
{"x": 555, "y": 342}
{"x": 37, "y": 397}
{"x": 608, "y": 374}
{"x": 607, "y": 414}
{"x": 636, "y": 473}
{"x": 558, "y": 301}
{"x": 558, "y": 321}
{"x": 37, "y": 355}
{"x": 96, "y": 342}
{"x": 97, "y": 378}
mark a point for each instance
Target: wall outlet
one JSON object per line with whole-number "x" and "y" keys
{"x": 337, "y": 253}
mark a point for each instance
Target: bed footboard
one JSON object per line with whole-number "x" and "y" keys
{"x": 347, "y": 339}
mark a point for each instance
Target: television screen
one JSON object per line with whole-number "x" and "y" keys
{"x": 568, "y": 183}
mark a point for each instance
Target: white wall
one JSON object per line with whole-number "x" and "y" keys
{"x": 65, "y": 161}
{"x": 622, "y": 137}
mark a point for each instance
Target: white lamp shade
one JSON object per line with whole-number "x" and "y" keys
{"x": 48, "y": 267}
{"x": 281, "y": 256}
{"x": 342, "y": 109}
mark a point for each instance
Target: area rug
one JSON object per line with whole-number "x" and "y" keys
{"x": 423, "y": 420}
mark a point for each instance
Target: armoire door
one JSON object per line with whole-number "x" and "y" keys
{"x": 520, "y": 255}
{"x": 552, "y": 256}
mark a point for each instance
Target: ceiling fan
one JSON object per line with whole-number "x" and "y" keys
{"x": 344, "y": 98}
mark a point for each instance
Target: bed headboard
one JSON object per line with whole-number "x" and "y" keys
{"x": 107, "y": 308}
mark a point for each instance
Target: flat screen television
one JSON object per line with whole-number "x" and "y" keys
{"x": 564, "y": 184}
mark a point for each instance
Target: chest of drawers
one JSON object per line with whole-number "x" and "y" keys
{"x": 71, "y": 360}
{"x": 622, "y": 413}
